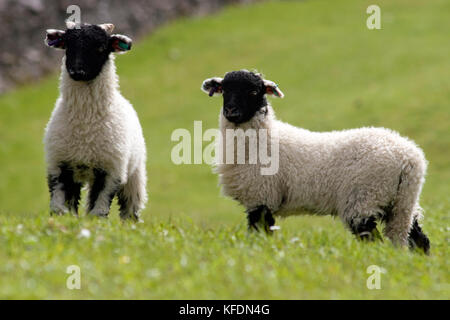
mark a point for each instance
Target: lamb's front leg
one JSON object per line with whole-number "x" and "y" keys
{"x": 64, "y": 191}
{"x": 365, "y": 228}
{"x": 260, "y": 218}
{"x": 102, "y": 192}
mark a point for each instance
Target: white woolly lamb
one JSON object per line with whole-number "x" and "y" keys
{"x": 94, "y": 135}
{"x": 361, "y": 175}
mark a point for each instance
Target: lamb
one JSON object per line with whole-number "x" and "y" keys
{"x": 360, "y": 175}
{"x": 94, "y": 136}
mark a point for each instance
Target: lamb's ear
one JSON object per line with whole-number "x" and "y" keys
{"x": 212, "y": 86}
{"x": 71, "y": 24}
{"x": 55, "y": 39}
{"x": 272, "y": 89}
{"x": 108, "y": 27}
{"x": 120, "y": 43}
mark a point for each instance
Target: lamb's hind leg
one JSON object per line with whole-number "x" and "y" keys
{"x": 260, "y": 218}
{"x": 418, "y": 239}
{"x": 133, "y": 195}
{"x": 64, "y": 191}
{"x": 406, "y": 209}
{"x": 101, "y": 193}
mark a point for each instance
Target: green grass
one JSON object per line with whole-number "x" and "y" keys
{"x": 193, "y": 244}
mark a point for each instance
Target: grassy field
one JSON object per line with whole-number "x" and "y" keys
{"x": 193, "y": 243}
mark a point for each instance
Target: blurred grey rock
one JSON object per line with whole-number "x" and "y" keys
{"x": 24, "y": 57}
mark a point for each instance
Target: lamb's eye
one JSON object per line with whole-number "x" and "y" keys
{"x": 254, "y": 93}
{"x": 101, "y": 49}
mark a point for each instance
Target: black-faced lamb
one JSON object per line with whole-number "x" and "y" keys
{"x": 94, "y": 136}
{"x": 361, "y": 175}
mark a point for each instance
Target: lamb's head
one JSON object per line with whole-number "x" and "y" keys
{"x": 244, "y": 94}
{"x": 87, "y": 47}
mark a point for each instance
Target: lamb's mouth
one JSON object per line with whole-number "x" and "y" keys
{"x": 81, "y": 78}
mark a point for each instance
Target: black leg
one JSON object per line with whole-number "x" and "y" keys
{"x": 269, "y": 221}
{"x": 102, "y": 192}
{"x": 64, "y": 191}
{"x": 72, "y": 189}
{"x": 52, "y": 181}
{"x": 123, "y": 202}
{"x": 418, "y": 239}
{"x": 56, "y": 207}
{"x": 260, "y": 217}
{"x": 97, "y": 187}
{"x": 365, "y": 229}
{"x": 253, "y": 217}
{"x": 127, "y": 210}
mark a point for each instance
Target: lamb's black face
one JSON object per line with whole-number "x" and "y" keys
{"x": 243, "y": 95}
{"x": 87, "y": 50}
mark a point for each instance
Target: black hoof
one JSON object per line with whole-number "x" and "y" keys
{"x": 260, "y": 218}
{"x": 371, "y": 236}
{"x": 366, "y": 229}
{"x": 417, "y": 239}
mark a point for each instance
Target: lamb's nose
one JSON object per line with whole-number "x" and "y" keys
{"x": 77, "y": 74}
{"x": 231, "y": 112}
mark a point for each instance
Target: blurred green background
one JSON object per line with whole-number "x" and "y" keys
{"x": 335, "y": 74}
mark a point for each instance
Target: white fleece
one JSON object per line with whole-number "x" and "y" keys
{"x": 351, "y": 173}
{"x": 93, "y": 125}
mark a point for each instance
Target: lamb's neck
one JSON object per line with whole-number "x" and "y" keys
{"x": 260, "y": 130}
{"x": 90, "y": 96}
